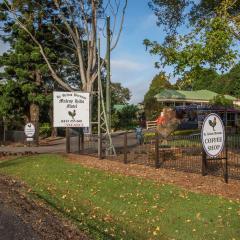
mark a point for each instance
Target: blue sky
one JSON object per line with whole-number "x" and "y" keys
{"x": 131, "y": 64}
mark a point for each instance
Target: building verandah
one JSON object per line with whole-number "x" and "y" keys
{"x": 192, "y": 107}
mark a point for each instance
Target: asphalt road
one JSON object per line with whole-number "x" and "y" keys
{"x": 13, "y": 228}
{"x": 23, "y": 218}
{"x": 59, "y": 146}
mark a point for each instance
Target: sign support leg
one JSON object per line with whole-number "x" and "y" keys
{"x": 226, "y": 160}
{"x": 67, "y": 140}
{"x": 204, "y": 162}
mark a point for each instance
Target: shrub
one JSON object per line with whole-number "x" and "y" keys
{"x": 45, "y": 130}
{"x": 185, "y": 132}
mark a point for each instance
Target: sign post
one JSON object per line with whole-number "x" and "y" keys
{"x": 213, "y": 140}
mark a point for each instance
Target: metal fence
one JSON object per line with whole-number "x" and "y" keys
{"x": 176, "y": 152}
{"x": 12, "y": 132}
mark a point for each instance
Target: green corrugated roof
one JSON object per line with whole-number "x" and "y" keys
{"x": 119, "y": 107}
{"x": 204, "y": 95}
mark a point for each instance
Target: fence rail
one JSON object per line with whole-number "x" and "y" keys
{"x": 151, "y": 124}
{"x": 12, "y": 132}
{"x": 176, "y": 152}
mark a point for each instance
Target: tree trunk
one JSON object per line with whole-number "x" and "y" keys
{"x": 34, "y": 113}
{"x": 34, "y": 108}
{"x": 34, "y": 118}
{"x": 53, "y": 129}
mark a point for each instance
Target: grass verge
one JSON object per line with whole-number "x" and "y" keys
{"x": 110, "y": 206}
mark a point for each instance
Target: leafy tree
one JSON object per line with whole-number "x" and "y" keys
{"x": 77, "y": 22}
{"x": 204, "y": 79}
{"x": 229, "y": 83}
{"x": 214, "y": 29}
{"x": 152, "y": 107}
{"x": 64, "y": 45}
{"x": 221, "y": 101}
{"x": 24, "y": 65}
{"x": 126, "y": 118}
{"x": 120, "y": 94}
{"x": 12, "y": 102}
{"x": 23, "y": 72}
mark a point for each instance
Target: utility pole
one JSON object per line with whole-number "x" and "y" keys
{"x": 99, "y": 104}
{"x": 102, "y": 117}
{"x": 108, "y": 90}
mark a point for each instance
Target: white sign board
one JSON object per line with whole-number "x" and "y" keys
{"x": 29, "y": 139}
{"x": 29, "y": 130}
{"x": 213, "y": 135}
{"x": 71, "y": 109}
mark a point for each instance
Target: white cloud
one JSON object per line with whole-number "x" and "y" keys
{"x": 127, "y": 65}
{"x": 135, "y": 74}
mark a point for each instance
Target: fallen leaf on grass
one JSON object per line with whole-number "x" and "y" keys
{"x": 198, "y": 215}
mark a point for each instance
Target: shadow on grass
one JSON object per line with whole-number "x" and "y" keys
{"x": 89, "y": 226}
{"x": 15, "y": 161}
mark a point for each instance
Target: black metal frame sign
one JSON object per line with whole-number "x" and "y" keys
{"x": 214, "y": 139}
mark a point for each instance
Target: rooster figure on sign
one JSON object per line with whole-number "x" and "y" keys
{"x": 72, "y": 114}
{"x": 213, "y": 123}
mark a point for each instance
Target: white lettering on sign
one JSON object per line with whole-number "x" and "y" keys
{"x": 213, "y": 135}
{"x": 71, "y": 109}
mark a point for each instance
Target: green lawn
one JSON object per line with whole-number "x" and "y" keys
{"x": 110, "y": 206}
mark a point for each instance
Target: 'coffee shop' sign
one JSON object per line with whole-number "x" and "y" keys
{"x": 213, "y": 135}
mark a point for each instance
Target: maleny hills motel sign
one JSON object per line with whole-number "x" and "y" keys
{"x": 213, "y": 140}
{"x": 71, "y": 109}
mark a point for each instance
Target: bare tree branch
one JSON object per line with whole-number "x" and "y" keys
{"x": 121, "y": 25}
{"x": 80, "y": 19}
{"x": 76, "y": 39}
